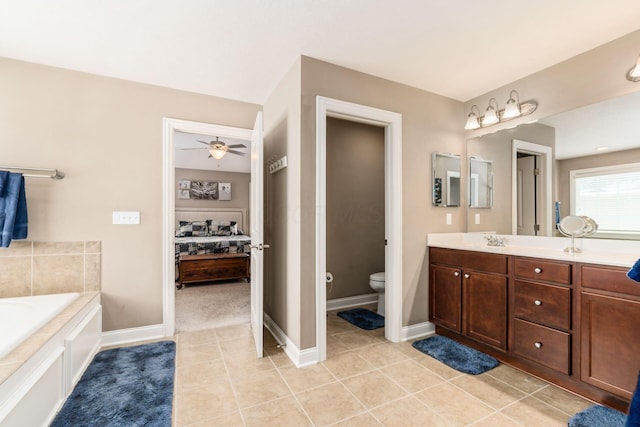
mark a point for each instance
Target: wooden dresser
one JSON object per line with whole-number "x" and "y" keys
{"x": 213, "y": 267}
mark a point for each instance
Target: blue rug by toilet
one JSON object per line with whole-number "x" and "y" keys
{"x": 455, "y": 355}
{"x": 128, "y": 386}
{"x": 598, "y": 416}
{"x": 363, "y": 318}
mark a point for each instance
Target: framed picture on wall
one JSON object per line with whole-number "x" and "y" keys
{"x": 184, "y": 194}
{"x": 204, "y": 190}
{"x": 184, "y": 184}
{"x": 224, "y": 191}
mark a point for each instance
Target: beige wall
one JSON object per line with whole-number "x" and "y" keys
{"x": 106, "y": 135}
{"x": 498, "y": 148}
{"x": 429, "y": 123}
{"x": 564, "y": 167}
{"x": 591, "y": 77}
{"x": 355, "y": 206}
{"x": 282, "y": 192}
{"x": 239, "y": 188}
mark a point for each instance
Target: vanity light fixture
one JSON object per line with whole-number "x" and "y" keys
{"x": 514, "y": 108}
{"x": 473, "y": 119}
{"x": 634, "y": 72}
{"x": 491, "y": 114}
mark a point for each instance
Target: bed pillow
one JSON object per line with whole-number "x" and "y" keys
{"x": 222, "y": 228}
{"x": 193, "y": 229}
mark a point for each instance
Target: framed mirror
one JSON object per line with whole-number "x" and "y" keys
{"x": 480, "y": 183}
{"x": 446, "y": 179}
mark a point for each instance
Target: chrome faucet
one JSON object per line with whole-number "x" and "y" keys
{"x": 493, "y": 240}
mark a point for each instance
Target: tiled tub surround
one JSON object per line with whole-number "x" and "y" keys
{"x": 619, "y": 253}
{"x": 37, "y": 376}
{"x": 43, "y": 268}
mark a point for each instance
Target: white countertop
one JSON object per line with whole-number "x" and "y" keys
{"x": 620, "y": 253}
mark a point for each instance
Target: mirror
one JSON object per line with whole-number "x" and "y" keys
{"x": 446, "y": 179}
{"x": 480, "y": 183}
{"x": 574, "y": 139}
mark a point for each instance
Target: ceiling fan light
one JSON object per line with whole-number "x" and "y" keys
{"x": 217, "y": 153}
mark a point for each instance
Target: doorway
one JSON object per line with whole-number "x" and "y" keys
{"x": 392, "y": 124}
{"x": 531, "y": 196}
{"x": 172, "y": 128}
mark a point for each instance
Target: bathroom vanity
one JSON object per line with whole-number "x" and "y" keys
{"x": 571, "y": 319}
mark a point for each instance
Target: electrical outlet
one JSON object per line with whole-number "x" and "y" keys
{"x": 128, "y": 218}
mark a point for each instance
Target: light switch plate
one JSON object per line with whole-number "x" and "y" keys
{"x": 448, "y": 219}
{"x": 126, "y": 218}
{"x": 477, "y": 218}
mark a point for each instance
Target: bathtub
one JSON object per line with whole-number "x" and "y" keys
{"x": 23, "y": 316}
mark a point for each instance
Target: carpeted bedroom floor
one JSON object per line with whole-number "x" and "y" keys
{"x": 215, "y": 305}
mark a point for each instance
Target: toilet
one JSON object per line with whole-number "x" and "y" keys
{"x": 376, "y": 281}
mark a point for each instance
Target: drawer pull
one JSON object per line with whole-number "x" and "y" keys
{"x": 537, "y": 270}
{"x": 456, "y": 273}
{"x": 537, "y": 302}
{"x": 466, "y": 276}
{"x": 538, "y": 344}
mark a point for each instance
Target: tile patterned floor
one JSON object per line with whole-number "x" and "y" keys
{"x": 366, "y": 381}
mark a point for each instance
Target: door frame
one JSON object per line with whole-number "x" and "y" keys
{"x": 392, "y": 124}
{"x": 170, "y": 126}
{"x": 545, "y": 154}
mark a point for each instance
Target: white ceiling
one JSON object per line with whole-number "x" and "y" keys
{"x": 199, "y": 159}
{"x": 613, "y": 124}
{"x": 240, "y": 49}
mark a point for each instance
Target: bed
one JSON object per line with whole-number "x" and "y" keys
{"x": 210, "y": 245}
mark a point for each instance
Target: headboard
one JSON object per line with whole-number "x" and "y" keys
{"x": 239, "y": 215}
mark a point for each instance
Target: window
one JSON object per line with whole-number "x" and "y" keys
{"x": 611, "y": 196}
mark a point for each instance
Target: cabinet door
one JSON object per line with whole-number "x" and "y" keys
{"x": 445, "y": 295}
{"x": 486, "y": 308}
{"x": 610, "y": 353}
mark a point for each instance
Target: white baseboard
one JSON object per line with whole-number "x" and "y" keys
{"x": 300, "y": 358}
{"x": 126, "y": 336}
{"x": 340, "y": 303}
{"x": 419, "y": 330}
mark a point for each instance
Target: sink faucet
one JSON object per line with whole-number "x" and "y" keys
{"x": 493, "y": 240}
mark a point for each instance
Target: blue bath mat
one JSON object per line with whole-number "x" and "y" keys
{"x": 598, "y": 416}
{"x": 129, "y": 386}
{"x": 457, "y": 356}
{"x": 363, "y": 318}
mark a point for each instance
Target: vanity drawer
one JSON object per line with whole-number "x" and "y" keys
{"x": 548, "y": 271}
{"x": 542, "y": 345}
{"x": 613, "y": 279}
{"x": 541, "y": 303}
{"x": 492, "y": 263}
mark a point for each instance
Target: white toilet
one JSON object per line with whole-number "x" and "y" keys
{"x": 376, "y": 281}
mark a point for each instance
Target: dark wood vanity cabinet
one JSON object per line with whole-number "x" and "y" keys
{"x": 610, "y": 329}
{"x": 542, "y": 312}
{"x": 468, "y": 294}
{"x": 576, "y": 325}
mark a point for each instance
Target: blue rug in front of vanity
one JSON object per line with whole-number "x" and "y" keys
{"x": 363, "y": 318}
{"x": 128, "y": 386}
{"x": 457, "y": 356}
{"x": 598, "y": 416}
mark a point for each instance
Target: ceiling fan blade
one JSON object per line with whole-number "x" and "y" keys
{"x": 206, "y": 143}
{"x": 237, "y": 146}
{"x": 239, "y": 153}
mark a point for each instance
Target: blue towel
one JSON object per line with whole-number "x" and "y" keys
{"x": 633, "y": 419}
{"x": 634, "y": 272}
{"x": 13, "y": 209}
{"x": 3, "y": 181}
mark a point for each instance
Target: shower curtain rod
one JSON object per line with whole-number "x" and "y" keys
{"x": 52, "y": 173}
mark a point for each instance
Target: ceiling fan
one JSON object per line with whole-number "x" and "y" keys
{"x": 217, "y": 149}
